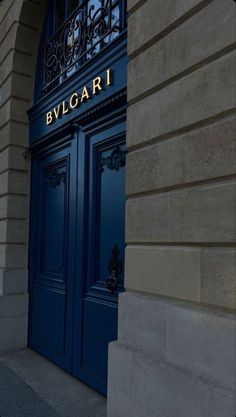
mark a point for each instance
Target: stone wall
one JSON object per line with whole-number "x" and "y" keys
{"x": 20, "y": 27}
{"x": 176, "y": 350}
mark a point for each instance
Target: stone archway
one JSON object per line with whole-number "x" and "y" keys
{"x": 20, "y": 27}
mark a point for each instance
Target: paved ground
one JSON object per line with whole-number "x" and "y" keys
{"x": 31, "y": 386}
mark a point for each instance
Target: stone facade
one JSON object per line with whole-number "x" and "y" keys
{"x": 20, "y": 28}
{"x": 176, "y": 349}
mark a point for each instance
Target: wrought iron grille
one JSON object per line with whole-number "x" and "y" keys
{"x": 91, "y": 27}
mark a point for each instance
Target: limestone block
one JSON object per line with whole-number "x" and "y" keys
{"x": 13, "y": 281}
{"x": 5, "y": 66}
{"x": 132, "y": 3}
{"x": 155, "y": 17}
{"x": 17, "y": 255}
{"x": 218, "y": 283}
{"x": 14, "y": 133}
{"x": 14, "y": 206}
{"x": 23, "y": 63}
{"x": 11, "y": 17}
{"x": 32, "y": 14}
{"x": 142, "y": 323}
{"x": 13, "y": 305}
{"x": 13, "y": 231}
{"x": 139, "y": 386}
{"x": 205, "y": 93}
{"x": 8, "y": 42}
{"x": 170, "y": 271}
{"x": 27, "y": 39}
{"x": 13, "y": 333}
{"x": 19, "y": 110}
{"x": 222, "y": 403}
{"x": 198, "y": 214}
{"x": 5, "y": 113}
{"x": 19, "y": 86}
{"x": 16, "y": 61}
{"x": 203, "y": 342}
{"x": 205, "y": 153}
{"x": 183, "y": 48}
{"x": 18, "y": 182}
{"x": 4, "y": 160}
{"x": 4, "y": 183}
{"x": 14, "y": 256}
{"x": 13, "y": 158}
{"x": 15, "y": 182}
{"x": 3, "y": 207}
{"x": 14, "y": 109}
{"x": 5, "y": 6}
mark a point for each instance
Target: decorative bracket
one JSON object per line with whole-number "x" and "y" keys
{"x": 115, "y": 161}
{"x": 54, "y": 178}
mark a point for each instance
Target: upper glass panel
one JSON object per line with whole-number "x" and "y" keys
{"x": 75, "y": 31}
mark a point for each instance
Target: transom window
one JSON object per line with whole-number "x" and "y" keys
{"x": 75, "y": 31}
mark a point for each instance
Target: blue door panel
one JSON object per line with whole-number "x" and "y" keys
{"x": 52, "y": 241}
{"x": 99, "y": 319}
{"x": 103, "y": 224}
{"x": 49, "y": 323}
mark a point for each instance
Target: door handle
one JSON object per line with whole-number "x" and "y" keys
{"x": 114, "y": 268}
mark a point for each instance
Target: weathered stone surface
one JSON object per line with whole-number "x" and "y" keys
{"x": 13, "y": 333}
{"x": 175, "y": 53}
{"x": 13, "y": 256}
{"x": 14, "y": 206}
{"x": 14, "y": 182}
{"x": 142, "y": 323}
{"x": 204, "y": 343}
{"x": 8, "y": 41}
{"x": 14, "y": 305}
{"x": 132, "y": 3}
{"x": 27, "y": 39}
{"x": 139, "y": 386}
{"x": 154, "y": 17}
{"x": 218, "y": 282}
{"x": 197, "y": 214}
{"x": 189, "y": 376}
{"x": 13, "y": 281}
{"x": 13, "y": 231}
{"x": 169, "y": 271}
{"x": 18, "y": 86}
{"x": 206, "y": 153}
{"x": 14, "y": 133}
{"x": 11, "y": 17}
{"x": 13, "y": 158}
{"x": 207, "y": 92}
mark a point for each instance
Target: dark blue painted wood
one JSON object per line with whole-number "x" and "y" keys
{"x": 96, "y": 311}
{"x": 75, "y": 224}
{"x": 52, "y": 241}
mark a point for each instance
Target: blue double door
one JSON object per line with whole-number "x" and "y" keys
{"x": 77, "y": 247}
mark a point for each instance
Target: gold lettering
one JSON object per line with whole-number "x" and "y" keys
{"x": 49, "y": 118}
{"x": 57, "y": 111}
{"x": 74, "y": 100}
{"x": 97, "y": 85}
{"x": 85, "y": 94}
{"x": 109, "y": 76}
{"x": 64, "y": 108}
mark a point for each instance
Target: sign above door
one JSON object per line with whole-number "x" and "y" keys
{"x": 77, "y": 98}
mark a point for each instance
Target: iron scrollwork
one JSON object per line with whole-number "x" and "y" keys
{"x": 114, "y": 268}
{"x": 115, "y": 161}
{"x": 82, "y": 35}
{"x": 54, "y": 178}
